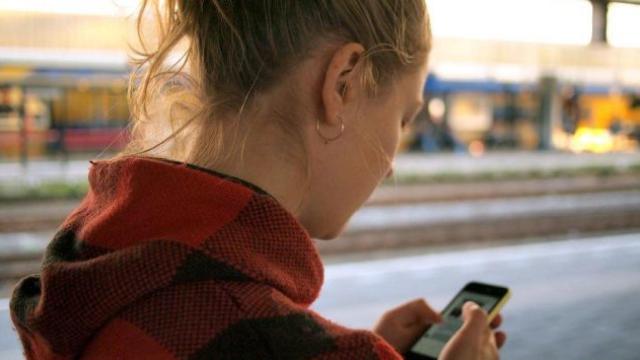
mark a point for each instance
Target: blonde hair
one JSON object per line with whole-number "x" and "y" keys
{"x": 230, "y": 51}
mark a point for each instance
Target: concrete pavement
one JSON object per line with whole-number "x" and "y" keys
{"x": 573, "y": 299}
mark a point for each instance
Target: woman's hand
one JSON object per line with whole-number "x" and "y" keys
{"x": 475, "y": 340}
{"x": 402, "y": 325}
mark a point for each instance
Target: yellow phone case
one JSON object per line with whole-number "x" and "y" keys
{"x": 496, "y": 310}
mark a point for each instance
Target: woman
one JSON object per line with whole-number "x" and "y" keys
{"x": 273, "y": 128}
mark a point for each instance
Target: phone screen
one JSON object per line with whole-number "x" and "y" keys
{"x": 435, "y": 338}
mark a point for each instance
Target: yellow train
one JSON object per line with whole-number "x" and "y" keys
{"x": 47, "y": 111}
{"x": 606, "y": 122}
{"x": 477, "y": 116}
{"x": 69, "y": 110}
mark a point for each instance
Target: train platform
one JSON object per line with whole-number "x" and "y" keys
{"x": 407, "y": 164}
{"x": 572, "y": 299}
{"x": 513, "y": 221}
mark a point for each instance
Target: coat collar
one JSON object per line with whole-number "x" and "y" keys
{"x": 230, "y": 219}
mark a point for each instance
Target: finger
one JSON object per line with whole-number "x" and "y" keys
{"x": 475, "y": 318}
{"x": 496, "y": 322}
{"x": 416, "y": 312}
{"x": 501, "y": 338}
{"x": 426, "y": 312}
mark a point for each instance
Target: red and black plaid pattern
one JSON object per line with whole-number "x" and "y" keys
{"x": 169, "y": 261}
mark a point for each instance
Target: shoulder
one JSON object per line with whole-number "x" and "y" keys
{"x": 293, "y": 331}
{"x": 179, "y": 321}
{"x": 208, "y": 319}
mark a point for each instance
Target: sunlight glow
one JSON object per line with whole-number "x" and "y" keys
{"x": 624, "y": 25}
{"x": 76, "y": 7}
{"x": 538, "y": 21}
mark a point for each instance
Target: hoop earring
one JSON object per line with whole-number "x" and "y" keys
{"x": 326, "y": 139}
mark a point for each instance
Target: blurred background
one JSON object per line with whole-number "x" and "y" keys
{"x": 522, "y": 169}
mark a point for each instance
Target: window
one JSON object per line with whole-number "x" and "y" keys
{"x": 624, "y": 25}
{"x": 539, "y": 21}
{"x": 80, "y": 7}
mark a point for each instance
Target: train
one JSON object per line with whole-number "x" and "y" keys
{"x": 70, "y": 109}
{"x": 479, "y": 115}
{"x": 48, "y": 111}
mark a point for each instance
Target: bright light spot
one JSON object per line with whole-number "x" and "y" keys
{"x": 77, "y": 7}
{"x": 624, "y": 25}
{"x": 592, "y": 140}
{"x": 437, "y": 108}
{"x": 538, "y": 21}
{"x": 470, "y": 113}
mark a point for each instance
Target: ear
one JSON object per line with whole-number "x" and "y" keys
{"x": 340, "y": 81}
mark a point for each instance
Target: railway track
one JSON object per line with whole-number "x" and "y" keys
{"x": 14, "y": 266}
{"x": 625, "y": 218}
{"x": 38, "y": 216}
{"x": 385, "y": 225}
{"x": 512, "y": 229}
{"x": 461, "y": 191}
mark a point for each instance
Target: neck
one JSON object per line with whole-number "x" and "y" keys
{"x": 257, "y": 153}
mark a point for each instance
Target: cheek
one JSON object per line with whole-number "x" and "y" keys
{"x": 352, "y": 168}
{"x": 383, "y": 131}
{"x": 393, "y": 142}
{"x": 389, "y": 135}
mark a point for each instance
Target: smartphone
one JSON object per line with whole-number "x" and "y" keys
{"x": 490, "y": 297}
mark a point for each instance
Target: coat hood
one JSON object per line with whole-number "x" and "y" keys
{"x": 145, "y": 224}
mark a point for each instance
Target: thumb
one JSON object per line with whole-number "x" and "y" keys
{"x": 474, "y": 317}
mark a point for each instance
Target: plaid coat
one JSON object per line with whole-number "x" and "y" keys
{"x": 163, "y": 260}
